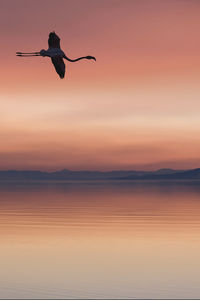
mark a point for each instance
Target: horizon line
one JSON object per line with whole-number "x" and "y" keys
{"x": 96, "y": 170}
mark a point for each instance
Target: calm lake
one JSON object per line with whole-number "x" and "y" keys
{"x": 100, "y": 240}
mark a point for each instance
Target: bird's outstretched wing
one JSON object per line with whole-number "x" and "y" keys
{"x": 59, "y": 66}
{"x": 54, "y": 40}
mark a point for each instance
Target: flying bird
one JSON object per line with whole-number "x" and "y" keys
{"x": 55, "y": 53}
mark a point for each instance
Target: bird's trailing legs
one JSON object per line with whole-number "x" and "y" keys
{"x": 27, "y": 54}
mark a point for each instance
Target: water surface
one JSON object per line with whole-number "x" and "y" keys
{"x": 100, "y": 240}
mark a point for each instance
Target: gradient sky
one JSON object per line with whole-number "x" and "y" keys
{"x": 137, "y": 107}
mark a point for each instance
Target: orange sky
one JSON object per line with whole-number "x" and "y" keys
{"x": 136, "y": 107}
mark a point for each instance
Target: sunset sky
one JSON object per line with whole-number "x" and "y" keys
{"x": 137, "y": 107}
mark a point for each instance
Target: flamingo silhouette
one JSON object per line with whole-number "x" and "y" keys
{"x": 55, "y": 53}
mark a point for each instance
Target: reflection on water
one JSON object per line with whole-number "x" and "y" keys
{"x": 99, "y": 240}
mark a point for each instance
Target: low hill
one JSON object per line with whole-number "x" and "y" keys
{"x": 162, "y": 174}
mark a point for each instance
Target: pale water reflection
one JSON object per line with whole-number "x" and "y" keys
{"x": 100, "y": 240}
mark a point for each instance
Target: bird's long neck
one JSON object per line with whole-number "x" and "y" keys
{"x": 74, "y": 60}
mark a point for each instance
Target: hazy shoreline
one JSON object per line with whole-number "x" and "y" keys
{"x": 118, "y": 175}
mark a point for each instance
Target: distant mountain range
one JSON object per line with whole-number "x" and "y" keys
{"x": 162, "y": 174}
